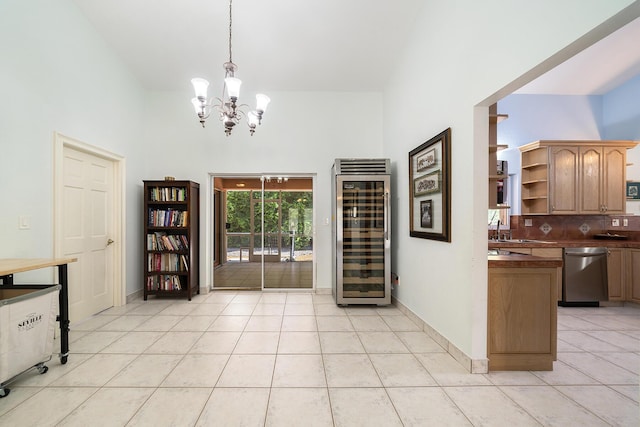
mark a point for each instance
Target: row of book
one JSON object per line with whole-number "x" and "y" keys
{"x": 168, "y": 194}
{"x": 167, "y": 262}
{"x": 167, "y": 282}
{"x": 160, "y": 241}
{"x": 167, "y": 218}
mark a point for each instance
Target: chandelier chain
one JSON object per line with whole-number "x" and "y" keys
{"x": 230, "y": 22}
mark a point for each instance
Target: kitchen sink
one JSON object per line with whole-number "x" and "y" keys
{"x": 498, "y": 252}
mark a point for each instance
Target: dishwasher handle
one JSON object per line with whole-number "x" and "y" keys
{"x": 576, "y": 254}
{"x": 586, "y": 252}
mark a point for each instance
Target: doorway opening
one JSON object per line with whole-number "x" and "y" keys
{"x": 263, "y": 232}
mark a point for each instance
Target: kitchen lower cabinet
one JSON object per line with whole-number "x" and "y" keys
{"x": 522, "y": 318}
{"x": 616, "y": 273}
{"x": 633, "y": 275}
{"x": 543, "y": 253}
{"x": 552, "y": 253}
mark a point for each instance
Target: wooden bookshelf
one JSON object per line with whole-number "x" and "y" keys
{"x": 171, "y": 232}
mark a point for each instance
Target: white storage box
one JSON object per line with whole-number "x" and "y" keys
{"x": 27, "y": 325}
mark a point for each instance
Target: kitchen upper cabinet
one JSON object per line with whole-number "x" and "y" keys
{"x": 614, "y": 180}
{"x": 574, "y": 177}
{"x": 602, "y": 176}
{"x": 563, "y": 185}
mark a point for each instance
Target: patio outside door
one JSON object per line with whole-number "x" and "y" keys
{"x": 266, "y": 215}
{"x": 265, "y": 233}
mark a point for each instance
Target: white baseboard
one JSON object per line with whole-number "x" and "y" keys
{"x": 477, "y": 366}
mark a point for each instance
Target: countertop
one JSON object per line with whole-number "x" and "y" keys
{"x": 18, "y": 265}
{"x": 522, "y": 261}
{"x": 586, "y": 243}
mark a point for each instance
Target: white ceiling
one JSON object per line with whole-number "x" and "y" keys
{"x": 597, "y": 69}
{"x": 327, "y": 45}
{"x": 278, "y": 45}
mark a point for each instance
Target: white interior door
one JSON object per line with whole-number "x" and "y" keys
{"x": 87, "y": 231}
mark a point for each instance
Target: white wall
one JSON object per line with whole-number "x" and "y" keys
{"x": 621, "y": 121}
{"x": 460, "y": 56}
{"x": 301, "y": 133}
{"x": 56, "y": 75}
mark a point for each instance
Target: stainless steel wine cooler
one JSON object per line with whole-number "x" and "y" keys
{"x": 361, "y": 227}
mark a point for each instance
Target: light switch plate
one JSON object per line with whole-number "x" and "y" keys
{"x": 528, "y": 222}
{"x": 615, "y": 222}
{"x": 24, "y": 223}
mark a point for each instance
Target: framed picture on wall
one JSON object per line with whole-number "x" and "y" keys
{"x": 430, "y": 189}
{"x": 426, "y": 213}
{"x": 426, "y": 160}
{"x": 633, "y": 190}
{"x": 427, "y": 184}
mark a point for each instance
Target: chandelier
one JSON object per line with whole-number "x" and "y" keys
{"x": 229, "y": 110}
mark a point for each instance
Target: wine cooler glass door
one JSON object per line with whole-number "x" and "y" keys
{"x": 363, "y": 239}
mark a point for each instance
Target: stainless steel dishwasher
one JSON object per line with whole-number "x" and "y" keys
{"x": 584, "y": 278}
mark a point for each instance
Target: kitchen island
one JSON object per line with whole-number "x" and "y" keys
{"x": 522, "y": 312}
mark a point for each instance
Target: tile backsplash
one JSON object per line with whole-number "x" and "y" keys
{"x": 574, "y": 227}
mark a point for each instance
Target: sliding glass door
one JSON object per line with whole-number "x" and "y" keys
{"x": 266, "y": 237}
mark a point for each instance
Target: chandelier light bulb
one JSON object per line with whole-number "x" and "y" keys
{"x": 262, "y": 101}
{"x": 233, "y": 86}
{"x": 200, "y": 86}
{"x": 197, "y": 105}
{"x": 253, "y": 119}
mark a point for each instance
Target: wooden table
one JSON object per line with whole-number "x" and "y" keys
{"x": 11, "y": 266}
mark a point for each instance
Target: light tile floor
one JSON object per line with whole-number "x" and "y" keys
{"x": 292, "y": 359}
{"x": 277, "y": 275}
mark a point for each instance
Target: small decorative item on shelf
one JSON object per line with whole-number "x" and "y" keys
{"x": 169, "y": 178}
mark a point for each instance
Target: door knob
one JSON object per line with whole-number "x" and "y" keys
{"x": 110, "y": 241}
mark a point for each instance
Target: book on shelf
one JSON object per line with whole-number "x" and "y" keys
{"x": 166, "y": 262}
{"x": 161, "y": 241}
{"x": 168, "y": 194}
{"x": 167, "y": 218}
{"x": 164, "y": 282}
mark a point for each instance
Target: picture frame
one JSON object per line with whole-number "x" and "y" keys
{"x": 633, "y": 190}
{"x": 430, "y": 189}
{"x": 426, "y": 160}
{"x": 427, "y": 184}
{"x": 426, "y": 213}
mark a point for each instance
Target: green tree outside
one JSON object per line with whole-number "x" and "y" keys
{"x": 296, "y": 207}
